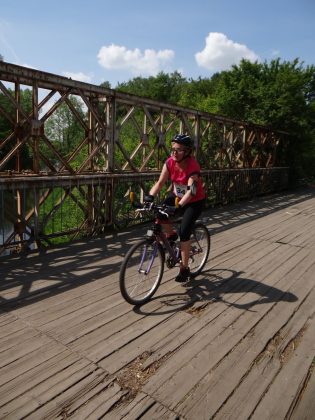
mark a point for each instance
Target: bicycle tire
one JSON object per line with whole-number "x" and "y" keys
{"x": 136, "y": 285}
{"x": 200, "y": 248}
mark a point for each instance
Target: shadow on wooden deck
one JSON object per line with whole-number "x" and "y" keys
{"x": 212, "y": 287}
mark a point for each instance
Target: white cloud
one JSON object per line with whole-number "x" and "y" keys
{"x": 78, "y": 76}
{"x": 220, "y": 53}
{"x": 149, "y": 62}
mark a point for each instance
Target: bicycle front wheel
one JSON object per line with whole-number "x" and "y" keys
{"x": 141, "y": 271}
{"x": 200, "y": 248}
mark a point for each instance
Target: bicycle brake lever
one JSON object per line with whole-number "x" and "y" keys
{"x": 165, "y": 213}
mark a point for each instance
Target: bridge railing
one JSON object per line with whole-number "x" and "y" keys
{"x": 71, "y": 151}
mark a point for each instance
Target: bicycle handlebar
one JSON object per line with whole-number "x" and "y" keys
{"x": 158, "y": 209}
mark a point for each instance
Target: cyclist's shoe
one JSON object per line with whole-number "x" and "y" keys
{"x": 172, "y": 237}
{"x": 183, "y": 276}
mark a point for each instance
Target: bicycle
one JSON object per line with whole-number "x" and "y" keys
{"x": 143, "y": 266}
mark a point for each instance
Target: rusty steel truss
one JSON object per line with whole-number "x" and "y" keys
{"x": 69, "y": 187}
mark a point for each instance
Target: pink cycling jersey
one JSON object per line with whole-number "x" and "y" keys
{"x": 179, "y": 177}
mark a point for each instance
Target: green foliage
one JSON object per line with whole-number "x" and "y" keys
{"x": 279, "y": 95}
{"x": 199, "y": 94}
{"x": 106, "y": 84}
{"x": 163, "y": 87}
{"x": 65, "y": 132}
{"x": 274, "y": 94}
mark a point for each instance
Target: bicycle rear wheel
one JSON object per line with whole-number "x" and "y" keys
{"x": 141, "y": 271}
{"x": 200, "y": 248}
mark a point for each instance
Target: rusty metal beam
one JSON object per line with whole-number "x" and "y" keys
{"x": 124, "y": 141}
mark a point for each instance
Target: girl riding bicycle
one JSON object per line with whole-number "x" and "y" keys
{"x": 184, "y": 171}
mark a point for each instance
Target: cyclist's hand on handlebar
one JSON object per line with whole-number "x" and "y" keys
{"x": 148, "y": 198}
{"x": 166, "y": 212}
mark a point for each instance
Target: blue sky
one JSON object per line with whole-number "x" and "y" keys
{"x": 102, "y": 40}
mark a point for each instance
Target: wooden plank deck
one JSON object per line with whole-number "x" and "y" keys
{"x": 238, "y": 343}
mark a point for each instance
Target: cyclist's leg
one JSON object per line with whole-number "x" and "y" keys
{"x": 191, "y": 213}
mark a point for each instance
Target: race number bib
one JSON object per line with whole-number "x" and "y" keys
{"x": 180, "y": 190}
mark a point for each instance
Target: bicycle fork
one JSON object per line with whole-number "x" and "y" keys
{"x": 143, "y": 259}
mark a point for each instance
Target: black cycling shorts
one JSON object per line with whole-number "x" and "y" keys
{"x": 189, "y": 213}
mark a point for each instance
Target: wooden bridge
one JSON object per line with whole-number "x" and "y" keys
{"x": 237, "y": 343}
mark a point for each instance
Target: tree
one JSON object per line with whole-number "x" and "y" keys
{"x": 64, "y": 129}
{"x": 163, "y": 87}
{"x": 106, "y": 85}
{"x": 199, "y": 94}
{"x": 277, "y": 94}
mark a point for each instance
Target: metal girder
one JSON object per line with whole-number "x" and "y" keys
{"x": 121, "y": 140}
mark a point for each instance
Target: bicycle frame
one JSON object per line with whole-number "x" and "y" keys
{"x": 159, "y": 235}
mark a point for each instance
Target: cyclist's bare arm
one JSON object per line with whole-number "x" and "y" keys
{"x": 189, "y": 193}
{"x": 160, "y": 183}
